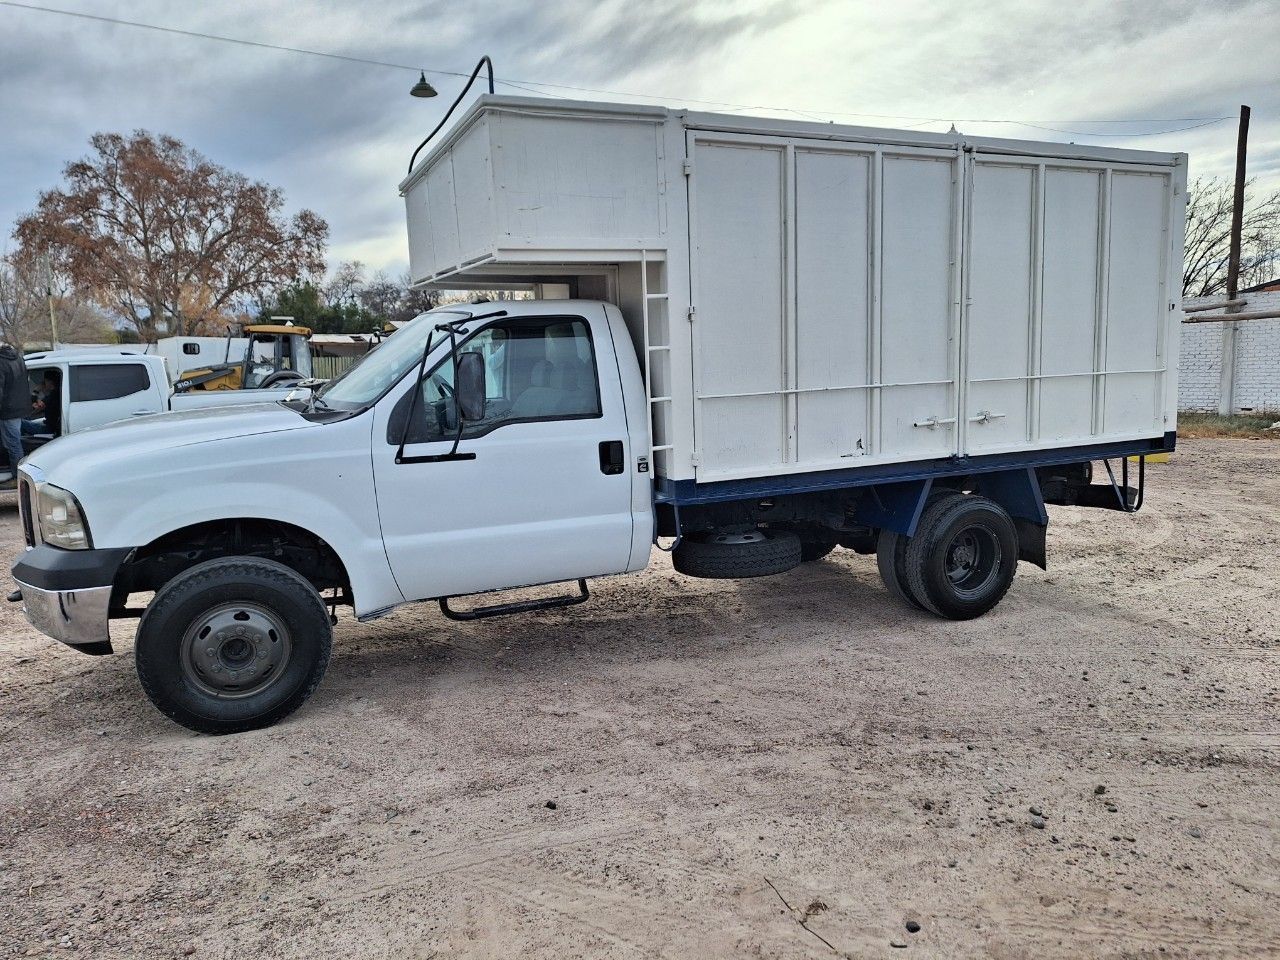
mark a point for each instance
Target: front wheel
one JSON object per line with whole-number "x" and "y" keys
{"x": 232, "y": 645}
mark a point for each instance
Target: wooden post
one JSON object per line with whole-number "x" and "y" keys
{"x": 1227, "y": 380}
{"x": 1237, "y": 208}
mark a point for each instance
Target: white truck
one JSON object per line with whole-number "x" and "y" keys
{"x": 92, "y": 386}
{"x": 782, "y": 337}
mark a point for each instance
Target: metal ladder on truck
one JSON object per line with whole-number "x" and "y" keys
{"x": 659, "y": 416}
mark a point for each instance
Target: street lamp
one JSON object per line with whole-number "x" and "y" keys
{"x": 421, "y": 88}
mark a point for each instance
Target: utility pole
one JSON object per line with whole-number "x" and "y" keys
{"x": 1237, "y": 208}
{"x": 48, "y": 292}
{"x": 1227, "y": 380}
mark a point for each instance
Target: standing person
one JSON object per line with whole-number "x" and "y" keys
{"x": 15, "y": 404}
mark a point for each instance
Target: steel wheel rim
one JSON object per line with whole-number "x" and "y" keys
{"x": 235, "y": 650}
{"x": 972, "y": 561}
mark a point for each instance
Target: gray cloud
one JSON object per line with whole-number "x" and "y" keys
{"x": 336, "y": 136}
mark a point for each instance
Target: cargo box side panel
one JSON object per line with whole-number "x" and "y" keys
{"x": 1002, "y": 302}
{"x": 569, "y": 182}
{"x": 918, "y": 359}
{"x": 1066, "y": 324}
{"x": 473, "y": 192}
{"x": 738, "y": 291}
{"x": 833, "y": 305}
{"x": 1068, "y": 338}
{"x": 826, "y": 286}
{"x": 449, "y": 208}
{"x": 1134, "y": 355}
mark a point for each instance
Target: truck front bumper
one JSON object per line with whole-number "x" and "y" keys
{"x": 66, "y": 594}
{"x": 76, "y": 617}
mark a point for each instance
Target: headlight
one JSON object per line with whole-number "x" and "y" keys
{"x": 60, "y": 518}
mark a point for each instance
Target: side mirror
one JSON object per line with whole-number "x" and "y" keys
{"x": 471, "y": 385}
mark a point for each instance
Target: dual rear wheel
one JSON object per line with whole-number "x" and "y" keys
{"x": 961, "y": 561}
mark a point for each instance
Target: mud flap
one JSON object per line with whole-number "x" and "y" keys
{"x": 1018, "y": 491}
{"x": 1031, "y": 539}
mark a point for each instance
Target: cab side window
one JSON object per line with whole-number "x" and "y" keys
{"x": 535, "y": 369}
{"x": 107, "y": 381}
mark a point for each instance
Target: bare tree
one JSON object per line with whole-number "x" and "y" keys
{"x": 30, "y": 289}
{"x": 343, "y": 288}
{"x": 167, "y": 238}
{"x": 1208, "y": 238}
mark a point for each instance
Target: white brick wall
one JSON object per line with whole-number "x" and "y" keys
{"x": 1257, "y": 361}
{"x": 1258, "y": 365}
{"x": 1200, "y": 368}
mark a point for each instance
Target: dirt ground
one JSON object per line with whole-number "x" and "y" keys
{"x": 790, "y": 767}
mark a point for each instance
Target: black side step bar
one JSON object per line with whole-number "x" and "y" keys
{"x": 522, "y": 606}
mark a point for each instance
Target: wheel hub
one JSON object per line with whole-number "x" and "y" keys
{"x": 972, "y": 559}
{"x": 235, "y": 650}
{"x": 743, "y": 536}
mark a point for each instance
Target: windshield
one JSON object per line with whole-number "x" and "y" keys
{"x": 374, "y": 373}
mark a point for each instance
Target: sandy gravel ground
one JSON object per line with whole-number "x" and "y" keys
{"x": 792, "y": 767}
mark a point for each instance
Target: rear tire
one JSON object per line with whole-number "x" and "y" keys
{"x": 891, "y": 557}
{"x": 962, "y": 560}
{"x": 721, "y": 556}
{"x": 233, "y": 644}
{"x": 890, "y": 552}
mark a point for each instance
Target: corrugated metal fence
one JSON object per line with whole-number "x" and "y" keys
{"x": 326, "y": 368}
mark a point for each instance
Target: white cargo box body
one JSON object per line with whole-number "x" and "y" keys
{"x": 810, "y": 297}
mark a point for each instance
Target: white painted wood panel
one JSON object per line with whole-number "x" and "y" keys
{"x": 1072, "y": 221}
{"x": 1135, "y": 307}
{"x": 739, "y": 276}
{"x": 833, "y": 304}
{"x": 1000, "y": 321}
{"x": 917, "y": 356}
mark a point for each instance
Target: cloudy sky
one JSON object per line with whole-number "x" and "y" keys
{"x": 336, "y": 135}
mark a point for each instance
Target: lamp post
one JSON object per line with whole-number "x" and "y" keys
{"x": 424, "y": 89}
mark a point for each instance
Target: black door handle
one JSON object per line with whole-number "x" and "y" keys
{"x": 611, "y": 457}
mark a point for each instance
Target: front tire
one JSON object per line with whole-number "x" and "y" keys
{"x": 233, "y": 644}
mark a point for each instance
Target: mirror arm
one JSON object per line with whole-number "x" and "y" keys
{"x": 452, "y": 329}
{"x": 413, "y": 402}
{"x": 457, "y": 406}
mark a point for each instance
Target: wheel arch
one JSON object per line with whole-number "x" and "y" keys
{"x": 150, "y": 566}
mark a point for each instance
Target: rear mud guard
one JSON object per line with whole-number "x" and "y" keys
{"x": 1018, "y": 491}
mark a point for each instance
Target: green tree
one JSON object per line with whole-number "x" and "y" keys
{"x": 307, "y": 305}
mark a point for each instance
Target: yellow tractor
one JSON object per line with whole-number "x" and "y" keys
{"x": 276, "y": 355}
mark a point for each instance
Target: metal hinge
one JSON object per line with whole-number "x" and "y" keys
{"x": 688, "y": 167}
{"x": 692, "y": 310}
{"x": 695, "y": 459}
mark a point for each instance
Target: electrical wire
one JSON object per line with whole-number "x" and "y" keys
{"x": 543, "y": 88}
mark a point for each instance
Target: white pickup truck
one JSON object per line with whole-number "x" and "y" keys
{"x": 786, "y": 337}
{"x": 94, "y": 386}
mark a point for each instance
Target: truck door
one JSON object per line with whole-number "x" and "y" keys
{"x": 538, "y": 490}
{"x": 99, "y": 393}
